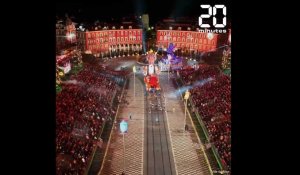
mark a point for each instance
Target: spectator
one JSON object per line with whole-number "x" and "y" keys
{"x": 82, "y": 107}
{"x": 212, "y": 100}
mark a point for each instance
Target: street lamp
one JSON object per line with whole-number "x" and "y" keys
{"x": 186, "y": 97}
{"x": 134, "y": 71}
{"x": 169, "y": 60}
{"x": 123, "y": 128}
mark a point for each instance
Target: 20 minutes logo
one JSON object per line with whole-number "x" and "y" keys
{"x": 213, "y": 11}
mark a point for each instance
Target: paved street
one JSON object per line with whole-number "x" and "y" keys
{"x": 134, "y": 139}
{"x": 158, "y": 152}
{"x": 189, "y": 158}
{"x": 166, "y": 149}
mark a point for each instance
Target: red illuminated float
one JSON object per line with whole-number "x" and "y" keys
{"x": 151, "y": 72}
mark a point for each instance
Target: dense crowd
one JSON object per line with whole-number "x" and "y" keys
{"x": 204, "y": 71}
{"x": 213, "y": 102}
{"x": 82, "y": 107}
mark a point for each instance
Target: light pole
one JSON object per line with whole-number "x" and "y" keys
{"x": 123, "y": 128}
{"x": 169, "y": 61}
{"x": 186, "y": 97}
{"x": 134, "y": 70}
{"x": 124, "y": 151}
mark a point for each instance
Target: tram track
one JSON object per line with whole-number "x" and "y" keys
{"x": 159, "y": 158}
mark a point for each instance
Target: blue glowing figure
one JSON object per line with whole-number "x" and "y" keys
{"x": 171, "y": 56}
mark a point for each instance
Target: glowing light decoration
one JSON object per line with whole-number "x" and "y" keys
{"x": 71, "y": 35}
{"x": 67, "y": 67}
{"x": 123, "y": 126}
{"x": 210, "y": 36}
{"x": 187, "y": 94}
{"x": 151, "y": 69}
{"x": 151, "y": 72}
{"x": 173, "y": 61}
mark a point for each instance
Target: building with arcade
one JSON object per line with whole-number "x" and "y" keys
{"x": 187, "y": 41}
{"x": 111, "y": 42}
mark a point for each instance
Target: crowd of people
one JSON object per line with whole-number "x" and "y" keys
{"x": 203, "y": 71}
{"x": 82, "y": 108}
{"x": 213, "y": 102}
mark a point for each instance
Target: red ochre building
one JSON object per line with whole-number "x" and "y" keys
{"x": 112, "y": 42}
{"x": 187, "y": 40}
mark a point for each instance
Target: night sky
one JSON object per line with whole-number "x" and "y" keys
{"x": 157, "y": 10}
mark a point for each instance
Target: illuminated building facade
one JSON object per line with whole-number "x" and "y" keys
{"x": 112, "y": 42}
{"x": 65, "y": 35}
{"x": 187, "y": 40}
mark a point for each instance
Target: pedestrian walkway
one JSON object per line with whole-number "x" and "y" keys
{"x": 134, "y": 139}
{"x": 189, "y": 158}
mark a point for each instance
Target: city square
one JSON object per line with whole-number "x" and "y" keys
{"x": 140, "y": 96}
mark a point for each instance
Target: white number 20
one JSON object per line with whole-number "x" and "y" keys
{"x": 214, "y": 12}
